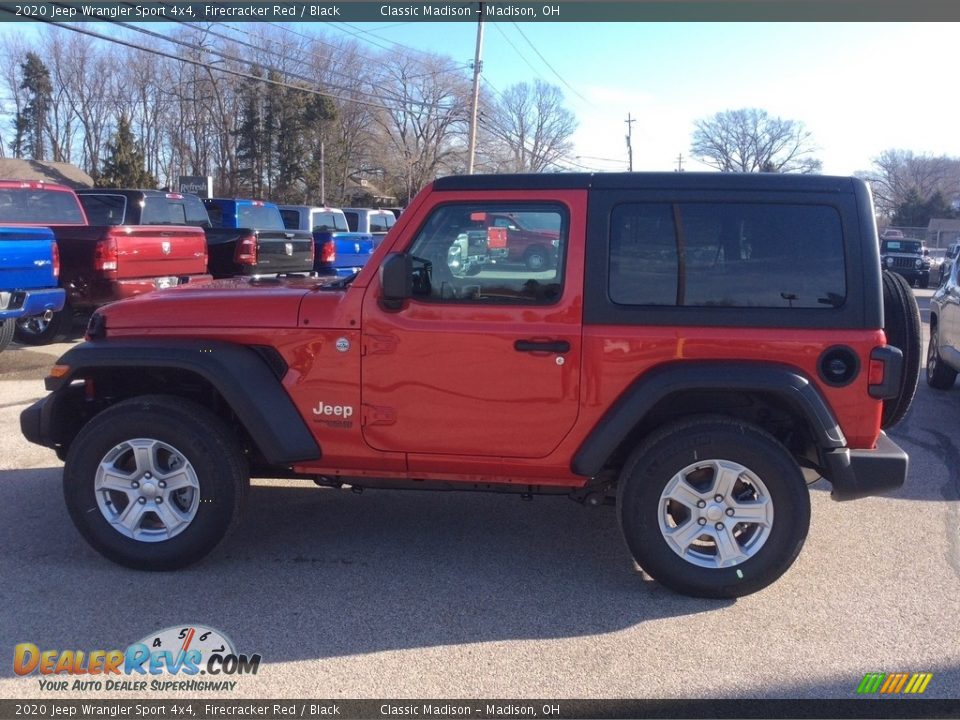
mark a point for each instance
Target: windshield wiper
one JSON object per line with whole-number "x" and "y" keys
{"x": 341, "y": 283}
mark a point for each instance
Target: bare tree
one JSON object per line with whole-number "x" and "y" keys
{"x": 900, "y": 176}
{"x": 423, "y": 121}
{"x": 750, "y": 140}
{"x": 530, "y": 127}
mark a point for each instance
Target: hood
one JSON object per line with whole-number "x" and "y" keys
{"x": 227, "y": 303}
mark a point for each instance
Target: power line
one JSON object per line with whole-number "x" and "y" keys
{"x": 561, "y": 78}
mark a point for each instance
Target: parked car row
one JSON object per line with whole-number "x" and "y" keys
{"x": 67, "y": 251}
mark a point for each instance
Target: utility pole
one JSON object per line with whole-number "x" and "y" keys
{"x": 680, "y": 162}
{"x": 323, "y": 177}
{"x": 477, "y": 65}
{"x": 630, "y": 121}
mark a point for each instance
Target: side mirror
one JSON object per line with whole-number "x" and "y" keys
{"x": 396, "y": 281}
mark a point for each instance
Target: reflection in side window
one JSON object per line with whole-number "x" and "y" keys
{"x": 491, "y": 253}
{"x": 727, "y": 255}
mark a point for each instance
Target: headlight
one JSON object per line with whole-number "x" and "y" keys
{"x": 889, "y": 262}
{"x": 918, "y": 263}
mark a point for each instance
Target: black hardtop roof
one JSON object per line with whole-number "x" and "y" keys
{"x": 649, "y": 181}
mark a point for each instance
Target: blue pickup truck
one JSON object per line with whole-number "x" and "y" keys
{"x": 339, "y": 252}
{"x": 29, "y": 270}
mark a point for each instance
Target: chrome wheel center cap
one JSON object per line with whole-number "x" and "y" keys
{"x": 149, "y": 489}
{"x": 714, "y": 513}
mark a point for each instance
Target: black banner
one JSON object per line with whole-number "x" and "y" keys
{"x": 496, "y": 11}
{"x": 478, "y": 709}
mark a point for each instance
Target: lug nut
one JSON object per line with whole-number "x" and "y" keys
{"x": 702, "y": 504}
{"x": 719, "y": 526}
{"x": 162, "y": 484}
{"x": 147, "y": 475}
{"x": 142, "y": 500}
{"x": 702, "y": 521}
{"x": 158, "y": 500}
{"x": 718, "y": 498}
{"x": 730, "y": 512}
{"x": 135, "y": 484}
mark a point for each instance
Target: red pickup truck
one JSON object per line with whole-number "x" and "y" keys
{"x": 99, "y": 264}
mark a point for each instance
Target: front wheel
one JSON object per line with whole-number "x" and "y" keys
{"x": 155, "y": 482}
{"x": 713, "y": 507}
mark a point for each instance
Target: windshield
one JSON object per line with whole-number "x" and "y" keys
{"x": 913, "y": 247}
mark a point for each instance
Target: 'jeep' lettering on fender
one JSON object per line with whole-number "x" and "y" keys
{"x": 343, "y": 411}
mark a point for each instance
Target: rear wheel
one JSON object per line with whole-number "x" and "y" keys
{"x": 155, "y": 482}
{"x": 939, "y": 375}
{"x": 901, "y": 324}
{"x": 7, "y": 328}
{"x": 35, "y": 330}
{"x": 536, "y": 259}
{"x": 713, "y": 507}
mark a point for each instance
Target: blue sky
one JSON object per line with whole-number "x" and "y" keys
{"x": 860, "y": 88}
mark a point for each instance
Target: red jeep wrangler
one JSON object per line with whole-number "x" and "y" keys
{"x": 703, "y": 347}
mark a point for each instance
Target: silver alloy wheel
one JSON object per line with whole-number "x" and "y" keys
{"x": 147, "y": 490}
{"x": 715, "y": 514}
{"x": 933, "y": 352}
{"x": 33, "y": 325}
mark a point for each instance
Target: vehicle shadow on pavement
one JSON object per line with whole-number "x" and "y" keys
{"x": 314, "y": 573}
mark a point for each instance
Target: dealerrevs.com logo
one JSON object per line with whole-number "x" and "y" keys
{"x": 185, "y": 652}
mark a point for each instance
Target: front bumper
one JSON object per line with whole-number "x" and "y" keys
{"x": 861, "y": 473}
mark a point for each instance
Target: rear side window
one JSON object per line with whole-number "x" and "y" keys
{"x": 160, "y": 211}
{"x": 215, "y": 213}
{"x": 261, "y": 217}
{"x": 328, "y": 222}
{"x": 104, "y": 209}
{"x": 353, "y": 219}
{"x": 727, "y": 255}
{"x": 381, "y": 222}
{"x": 291, "y": 219}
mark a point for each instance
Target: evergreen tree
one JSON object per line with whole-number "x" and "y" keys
{"x": 124, "y": 165}
{"x": 250, "y": 137}
{"x": 34, "y": 120}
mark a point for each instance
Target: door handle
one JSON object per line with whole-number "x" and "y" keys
{"x": 554, "y": 346}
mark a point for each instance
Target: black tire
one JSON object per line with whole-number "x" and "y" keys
{"x": 208, "y": 448}
{"x": 537, "y": 259}
{"x": 37, "y": 331}
{"x": 695, "y": 443}
{"x": 901, "y": 323}
{"x": 7, "y": 328}
{"x": 939, "y": 375}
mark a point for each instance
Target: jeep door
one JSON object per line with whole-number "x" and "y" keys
{"x": 482, "y": 363}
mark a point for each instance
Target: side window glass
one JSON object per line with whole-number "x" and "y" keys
{"x": 463, "y": 258}
{"x": 215, "y": 214}
{"x": 643, "y": 255}
{"x": 754, "y": 255}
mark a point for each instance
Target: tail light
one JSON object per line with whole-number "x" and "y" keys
{"x": 246, "y": 252}
{"x": 56, "y": 259}
{"x": 105, "y": 255}
{"x": 885, "y": 372}
{"x": 328, "y": 252}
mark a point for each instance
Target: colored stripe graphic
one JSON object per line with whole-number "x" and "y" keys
{"x": 894, "y": 683}
{"x": 870, "y": 683}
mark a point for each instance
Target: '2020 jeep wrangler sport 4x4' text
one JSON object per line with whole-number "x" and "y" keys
{"x": 701, "y": 346}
